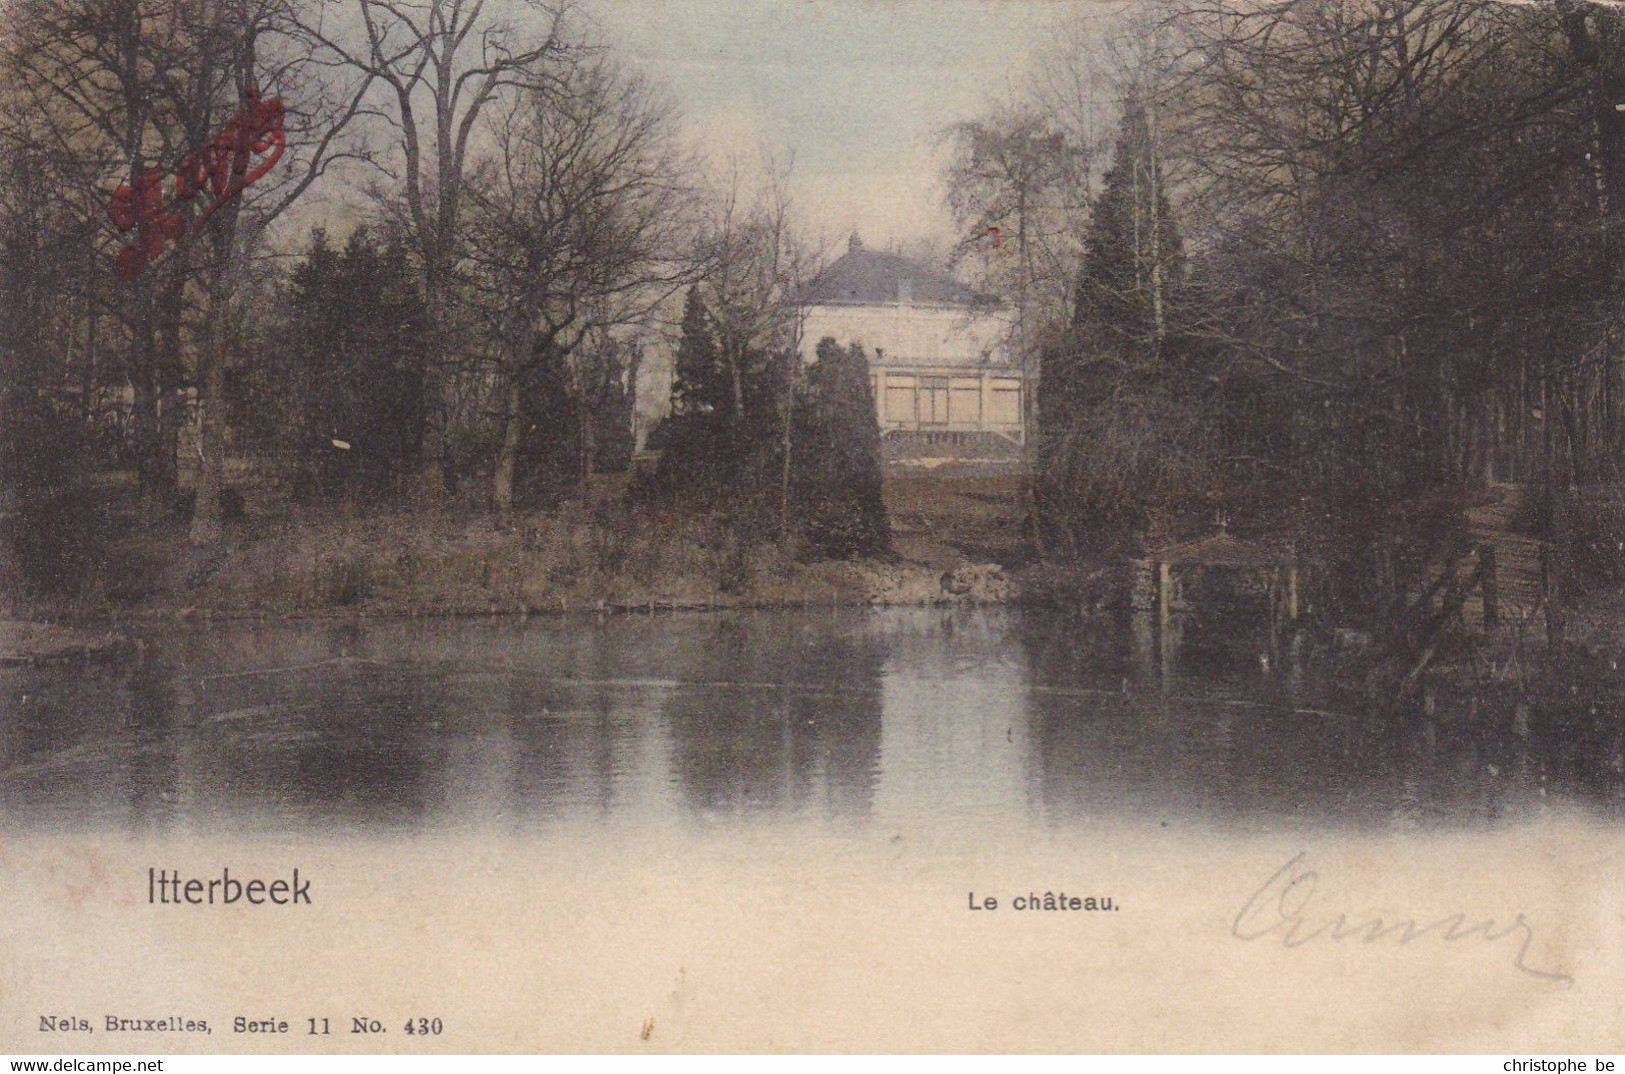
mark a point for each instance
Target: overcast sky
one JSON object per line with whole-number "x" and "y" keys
{"x": 856, "y": 91}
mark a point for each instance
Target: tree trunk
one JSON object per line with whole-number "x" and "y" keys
{"x": 144, "y": 432}
{"x": 142, "y": 373}
{"x": 507, "y": 456}
{"x": 584, "y": 470}
{"x": 1595, "y": 32}
{"x": 171, "y": 392}
{"x": 1154, "y": 209}
{"x": 432, "y": 485}
{"x": 787, "y": 444}
{"x": 206, "y": 524}
{"x": 211, "y": 364}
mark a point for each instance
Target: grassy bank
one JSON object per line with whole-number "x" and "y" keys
{"x": 947, "y": 526}
{"x": 391, "y": 562}
{"x": 395, "y": 564}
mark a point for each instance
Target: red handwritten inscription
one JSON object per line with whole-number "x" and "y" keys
{"x": 142, "y": 208}
{"x": 220, "y": 168}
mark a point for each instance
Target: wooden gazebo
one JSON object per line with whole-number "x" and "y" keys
{"x": 1224, "y": 552}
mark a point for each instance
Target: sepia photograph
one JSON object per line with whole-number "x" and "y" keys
{"x": 812, "y": 526}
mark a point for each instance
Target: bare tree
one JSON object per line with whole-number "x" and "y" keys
{"x": 752, "y": 262}
{"x": 1017, "y": 186}
{"x": 442, "y": 64}
{"x": 579, "y": 223}
{"x": 84, "y": 82}
{"x": 256, "y": 50}
{"x": 140, "y": 107}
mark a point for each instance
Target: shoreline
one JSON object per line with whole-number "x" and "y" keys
{"x": 40, "y": 635}
{"x": 952, "y": 545}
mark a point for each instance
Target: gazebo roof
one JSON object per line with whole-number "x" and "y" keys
{"x": 1220, "y": 550}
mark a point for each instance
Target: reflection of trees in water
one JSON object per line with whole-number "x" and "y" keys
{"x": 92, "y": 747}
{"x": 1112, "y": 741}
{"x": 264, "y": 725}
{"x": 572, "y": 742}
{"x": 346, "y": 745}
{"x": 1558, "y": 728}
{"x": 371, "y": 746}
{"x": 286, "y": 723}
{"x": 556, "y": 721}
{"x": 1073, "y": 649}
{"x": 642, "y": 720}
{"x": 76, "y": 746}
{"x": 154, "y": 764}
{"x": 783, "y": 714}
{"x": 1213, "y": 741}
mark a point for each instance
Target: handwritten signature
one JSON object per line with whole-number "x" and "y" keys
{"x": 220, "y": 168}
{"x": 1282, "y": 907}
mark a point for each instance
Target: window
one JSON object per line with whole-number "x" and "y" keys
{"x": 931, "y": 401}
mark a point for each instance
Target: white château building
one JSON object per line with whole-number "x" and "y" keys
{"x": 939, "y": 354}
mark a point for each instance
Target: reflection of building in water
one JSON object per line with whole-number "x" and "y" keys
{"x": 559, "y": 728}
{"x": 955, "y": 746}
{"x": 939, "y": 355}
{"x": 780, "y": 714}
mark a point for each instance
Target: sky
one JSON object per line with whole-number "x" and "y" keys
{"x": 853, "y": 93}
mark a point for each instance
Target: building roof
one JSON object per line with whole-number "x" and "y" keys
{"x": 863, "y": 277}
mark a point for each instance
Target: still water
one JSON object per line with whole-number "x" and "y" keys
{"x": 848, "y": 720}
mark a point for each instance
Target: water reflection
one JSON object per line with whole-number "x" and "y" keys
{"x": 778, "y": 716}
{"x": 893, "y": 720}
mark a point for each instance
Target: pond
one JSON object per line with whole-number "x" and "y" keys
{"x": 960, "y": 720}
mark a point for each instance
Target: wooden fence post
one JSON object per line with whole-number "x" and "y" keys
{"x": 1549, "y": 590}
{"x": 1488, "y": 586}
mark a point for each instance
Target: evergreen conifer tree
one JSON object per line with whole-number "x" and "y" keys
{"x": 353, "y": 377}
{"x": 1133, "y": 256}
{"x": 1114, "y": 436}
{"x": 700, "y": 386}
{"x": 704, "y": 452}
{"x": 837, "y": 458}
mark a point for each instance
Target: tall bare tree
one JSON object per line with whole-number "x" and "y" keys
{"x": 442, "y": 64}
{"x": 580, "y": 223}
{"x": 255, "y": 51}
{"x": 1017, "y": 186}
{"x": 133, "y": 104}
{"x": 85, "y": 107}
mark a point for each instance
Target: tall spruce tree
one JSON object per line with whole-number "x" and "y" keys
{"x": 352, "y": 379}
{"x": 720, "y": 445}
{"x": 1114, "y": 438}
{"x": 700, "y": 385}
{"x": 1133, "y": 255}
{"x": 836, "y": 458}
{"x": 696, "y": 460}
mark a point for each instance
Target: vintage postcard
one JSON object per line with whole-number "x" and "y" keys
{"x": 812, "y": 526}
